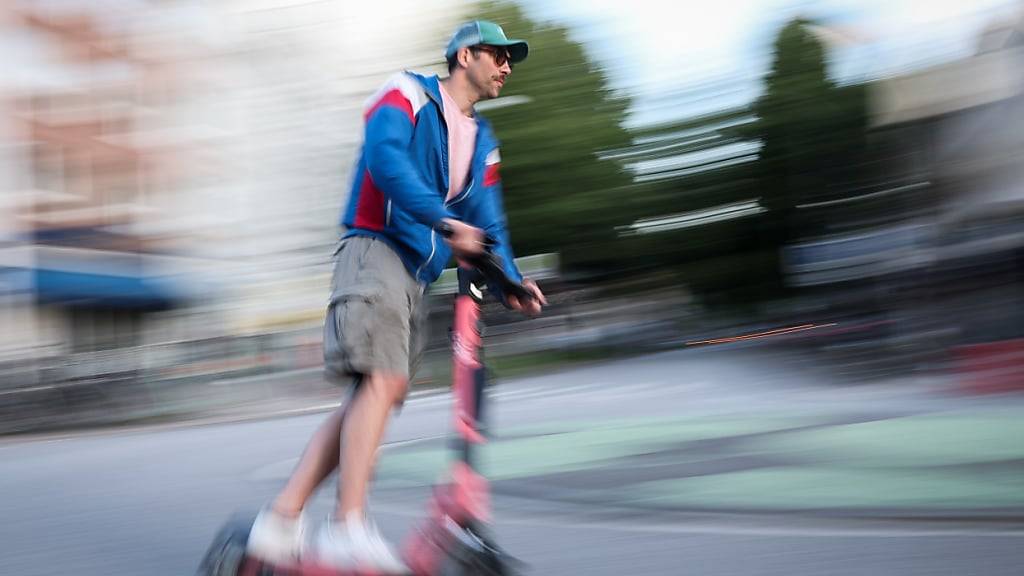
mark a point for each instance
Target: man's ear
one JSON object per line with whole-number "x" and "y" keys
{"x": 464, "y": 55}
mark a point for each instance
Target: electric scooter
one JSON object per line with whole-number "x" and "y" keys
{"x": 453, "y": 540}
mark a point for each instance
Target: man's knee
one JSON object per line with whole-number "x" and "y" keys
{"x": 390, "y": 386}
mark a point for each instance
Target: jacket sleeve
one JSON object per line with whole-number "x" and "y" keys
{"x": 488, "y": 212}
{"x": 498, "y": 229}
{"x": 389, "y": 128}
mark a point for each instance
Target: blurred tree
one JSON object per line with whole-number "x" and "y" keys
{"x": 565, "y": 149}
{"x": 560, "y": 196}
{"x": 812, "y": 132}
{"x": 800, "y": 142}
{"x": 690, "y": 172}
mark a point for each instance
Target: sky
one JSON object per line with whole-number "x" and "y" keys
{"x": 686, "y": 58}
{"x": 678, "y": 58}
{"x": 683, "y": 58}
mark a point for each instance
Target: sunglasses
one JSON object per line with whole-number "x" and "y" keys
{"x": 501, "y": 57}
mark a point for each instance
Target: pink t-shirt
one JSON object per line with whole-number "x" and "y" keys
{"x": 461, "y": 141}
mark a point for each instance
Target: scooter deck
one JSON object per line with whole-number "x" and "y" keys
{"x": 433, "y": 552}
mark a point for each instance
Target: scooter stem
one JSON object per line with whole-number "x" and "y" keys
{"x": 467, "y": 367}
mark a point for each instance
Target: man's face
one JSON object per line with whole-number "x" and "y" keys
{"x": 488, "y": 69}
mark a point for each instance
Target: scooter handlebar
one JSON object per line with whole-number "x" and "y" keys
{"x": 491, "y": 266}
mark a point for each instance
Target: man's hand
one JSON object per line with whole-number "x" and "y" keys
{"x": 532, "y": 306}
{"x": 465, "y": 241}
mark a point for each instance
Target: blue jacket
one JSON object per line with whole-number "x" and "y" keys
{"x": 401, "y": 179}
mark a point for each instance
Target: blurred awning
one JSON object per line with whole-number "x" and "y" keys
{"x": 95, "y": 289}
{"x": 96, "y": 277}
{"x": 947, "y": 88}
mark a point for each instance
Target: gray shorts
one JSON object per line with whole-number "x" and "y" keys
{"x": 376, "y": 318}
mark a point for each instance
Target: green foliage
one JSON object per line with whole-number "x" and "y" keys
{"x": 559, "y": 196}
{"x": 811, "y": 129}
{"x": 564, "y": 152}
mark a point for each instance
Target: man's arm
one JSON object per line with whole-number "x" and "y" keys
{"x": 488, "y": 212}
{"x": 390, "y": 120}
{"x": 499, "y": 231}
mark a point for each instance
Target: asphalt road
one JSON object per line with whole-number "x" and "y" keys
{"x": 147, "y": 500}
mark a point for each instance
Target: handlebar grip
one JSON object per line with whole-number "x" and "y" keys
{"x": 444, "y": 229}
{"x": 490, "y": 265}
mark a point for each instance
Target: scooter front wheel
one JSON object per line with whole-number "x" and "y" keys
{"x": 473, "y": 554}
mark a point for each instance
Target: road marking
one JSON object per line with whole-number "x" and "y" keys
{"x": 513, "y": 394}
{"x": 308, "y": 409}
{"x": 282, "y": 469}
{"x": 536, "y": 393}
{"x": 792, "y": 532}
{"x": 505, "y": 395}
{"x": 719, "y": 527}
{"x": 513, "y": 391}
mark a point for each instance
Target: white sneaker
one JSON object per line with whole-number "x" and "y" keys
{"x": 276, "y": 538}
{"x": 356, "y": 544}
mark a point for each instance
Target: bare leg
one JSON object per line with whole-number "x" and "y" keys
{"x": 318, "y": 461}
{"x": 362, "y": 433}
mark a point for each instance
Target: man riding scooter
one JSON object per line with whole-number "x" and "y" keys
{"x": 429, "y": 162}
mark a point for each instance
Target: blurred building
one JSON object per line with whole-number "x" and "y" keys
{"x": 173, "y": 173}
{"x": 304, "y": 71}
{"x": 931, "y": 242}
{"x": 98, "y": 151}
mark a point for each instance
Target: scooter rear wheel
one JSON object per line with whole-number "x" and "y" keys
{"x": 226, "y": 555}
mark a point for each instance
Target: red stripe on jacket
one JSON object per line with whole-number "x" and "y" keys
{"x": 370, "y": 209}
{"x": 393, "y": 98}
{"x": 491, "y": 176}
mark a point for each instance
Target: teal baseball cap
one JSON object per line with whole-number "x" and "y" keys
{"x": 485, "y": 32}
